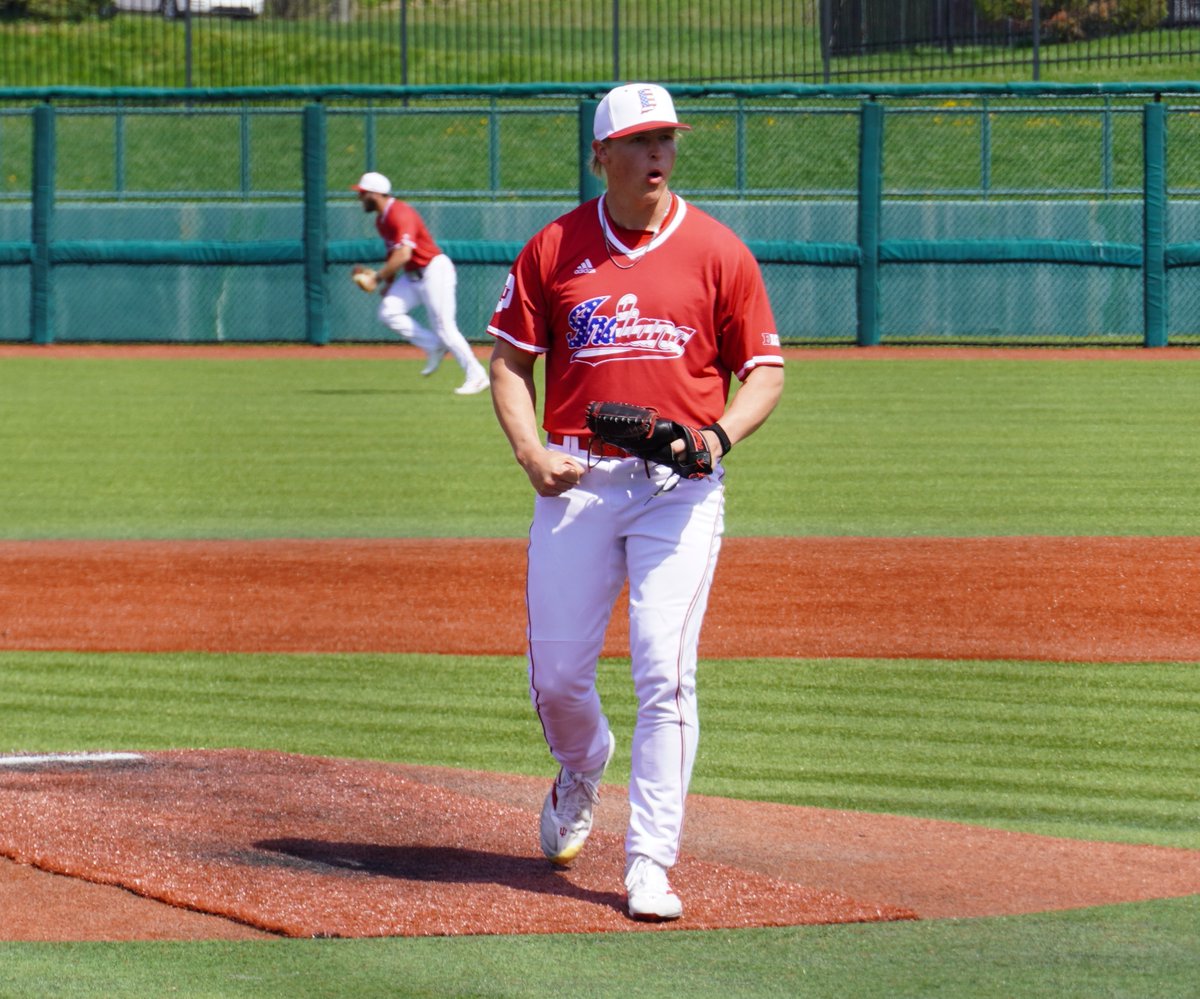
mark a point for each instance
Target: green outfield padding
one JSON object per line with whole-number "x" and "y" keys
{"x": 1022, "y": 251}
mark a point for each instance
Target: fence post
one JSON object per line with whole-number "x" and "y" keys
{"x": 314, "y": 155}
{"x": 404, "y": 42}
{"x": 870, "y": 207}
{"x": 493, "y": 147}
{"x": 41, "y": 313}
{"x": 187, "y": 46}
{"x": 826, "y": 29}
{"x": 616, "y": 40}
{"x": 1037, "y": 40}
{"x": 1154, "y": 266}
{"x": 589, "y": 184}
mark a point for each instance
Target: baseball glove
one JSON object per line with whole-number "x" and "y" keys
{"x": 365, "y": 278}
{"x": 642, "y": 432}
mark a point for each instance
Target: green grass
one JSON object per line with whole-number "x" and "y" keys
{"x": 536, "y": 40}
{"x": 1068, "y": 148}
{"x": 1097, "y": 752}
{"x": 247, "y": 449}
{"x": 312, "y": 448}
{"x": 1144, "y": 951}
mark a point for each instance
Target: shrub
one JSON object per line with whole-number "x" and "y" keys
{"x": 1077, "y": 19}
{"x": 55, "y": 10}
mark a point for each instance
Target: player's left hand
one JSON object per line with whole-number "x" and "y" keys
{"x": 642, "y": 432}
{"x": 715, "y": 448}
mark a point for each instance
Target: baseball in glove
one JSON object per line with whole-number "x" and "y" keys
{"x": 365, "y": 278}
{"x": 642, "y": 432}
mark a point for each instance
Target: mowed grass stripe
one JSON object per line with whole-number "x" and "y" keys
{"x": 1088, "y": 750}
{"x": 1042, "y": 747}
{"x": 361, "y": 448}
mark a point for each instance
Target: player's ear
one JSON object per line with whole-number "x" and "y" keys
{"x": 599, "y": 157}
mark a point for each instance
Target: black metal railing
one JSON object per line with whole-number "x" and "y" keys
{"x": 227, "y": 43}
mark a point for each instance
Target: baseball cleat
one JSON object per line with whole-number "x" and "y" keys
{"x": 567, "y": 811}
{"x": 650, "y": 896}
{"x": 433, "y": 360}
{"x": 473, "y": 385}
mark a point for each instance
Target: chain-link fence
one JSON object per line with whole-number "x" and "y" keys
{"x": 903, "y": 214}
{"x": 237, "y": 43}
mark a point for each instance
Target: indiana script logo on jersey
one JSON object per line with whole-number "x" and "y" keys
{"x": 625, "y": 335}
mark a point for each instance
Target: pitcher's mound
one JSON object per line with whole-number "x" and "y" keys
{"x": 318, "y": 847}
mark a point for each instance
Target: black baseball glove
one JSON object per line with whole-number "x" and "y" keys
{"x": 642, "y": 432}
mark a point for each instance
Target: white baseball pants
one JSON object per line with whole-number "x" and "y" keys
{"x": 582, "y": 547}
{"x": 436, "y": 289}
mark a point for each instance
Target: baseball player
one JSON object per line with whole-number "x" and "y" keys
{"x": 636, "y": 297}
{"x": 416, "y": 272}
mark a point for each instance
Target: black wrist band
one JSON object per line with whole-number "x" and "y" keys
{"x": 723, "y": 437}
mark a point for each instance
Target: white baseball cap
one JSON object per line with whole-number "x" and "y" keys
{"x": 373, "y": 183}
{"x": 634, "y": 107}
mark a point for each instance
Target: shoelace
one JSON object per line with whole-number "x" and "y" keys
{"x": 647, "y": 874}
{"x": 577, "y": 786}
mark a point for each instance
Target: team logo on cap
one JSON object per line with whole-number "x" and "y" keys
{"x": 623, "y": 335}
{"x": 646, "y": 99}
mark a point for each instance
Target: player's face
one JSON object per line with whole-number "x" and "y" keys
{"x": 640, "y": 163}
{"x": 367, "y": 200}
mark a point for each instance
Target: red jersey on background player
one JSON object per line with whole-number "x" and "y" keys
{"x": 417, "y": 273}
{"x": 633, "y": 297}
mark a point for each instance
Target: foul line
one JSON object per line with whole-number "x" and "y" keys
{"x": 24, "y": 761}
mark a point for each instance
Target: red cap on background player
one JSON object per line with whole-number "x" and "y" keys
{"x": 373, "y": 183}
{"x": 635, "y": 107}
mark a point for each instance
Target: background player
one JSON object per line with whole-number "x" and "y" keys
{"x": 416, "y": 272}
{"x": 633, "y": 297}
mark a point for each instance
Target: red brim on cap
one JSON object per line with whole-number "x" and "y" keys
{"x": 648, "y": 126}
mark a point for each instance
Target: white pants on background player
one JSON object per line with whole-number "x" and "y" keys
{"x": 582, "y": 547}
{"x": 436, "y": 290}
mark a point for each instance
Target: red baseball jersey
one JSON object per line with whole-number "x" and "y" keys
{"x": 401, "y": 225}
{"x": 662, "y": 320}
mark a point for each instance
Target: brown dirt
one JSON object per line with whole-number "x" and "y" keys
{"x": 1022, "y": 598}
{"x": 1080, "y": 599}
{"x": 318, "y": 847}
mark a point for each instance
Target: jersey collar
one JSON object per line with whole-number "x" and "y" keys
{"x": 674, "y": 217}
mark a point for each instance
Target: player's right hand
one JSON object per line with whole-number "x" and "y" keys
{"x": 553, "y": 473}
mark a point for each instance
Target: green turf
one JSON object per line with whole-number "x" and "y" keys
{"x": 1134, "y": 951}
{"x": 303, "y": 448}
{"x": 1104, "y": 751}
{"x": 250, "y": 449}
{"x": 451, "y": 42}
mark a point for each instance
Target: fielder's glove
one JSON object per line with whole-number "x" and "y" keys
{"x": 365, "y": 278}
{"x": 642, "y": 432}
